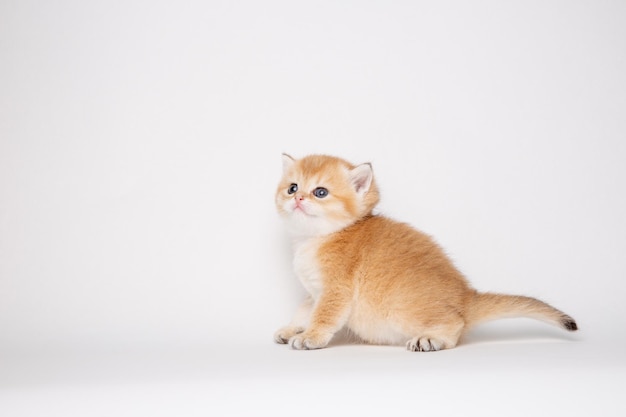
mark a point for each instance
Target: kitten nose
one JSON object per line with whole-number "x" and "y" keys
{"x": 299, "y": 197}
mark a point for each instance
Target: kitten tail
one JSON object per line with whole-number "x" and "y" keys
{"x": 488, "y": 306}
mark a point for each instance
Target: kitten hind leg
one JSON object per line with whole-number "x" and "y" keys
{"x": 425, "y": 344}
{"x": 436, "y": 338}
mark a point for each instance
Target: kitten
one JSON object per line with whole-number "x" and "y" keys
{"x": 387, "y": 282}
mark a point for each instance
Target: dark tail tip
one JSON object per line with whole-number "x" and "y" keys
{"x": 569, "y": 324}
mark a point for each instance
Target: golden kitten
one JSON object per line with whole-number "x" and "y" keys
{"x": 387, "y": 282}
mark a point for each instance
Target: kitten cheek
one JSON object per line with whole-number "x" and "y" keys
{"x": 284, "y": 207}
{"x": 288, "y": 207}
{"x": 334, "y": 210}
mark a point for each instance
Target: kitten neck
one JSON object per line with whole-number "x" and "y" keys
{"x": 300, "y": 232}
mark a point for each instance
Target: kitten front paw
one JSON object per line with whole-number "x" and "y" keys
{"x": 308, "y": 341}
{"x": 283, "y": 334}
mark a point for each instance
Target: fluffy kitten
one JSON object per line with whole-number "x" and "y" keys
{"x": 387, "y": 282}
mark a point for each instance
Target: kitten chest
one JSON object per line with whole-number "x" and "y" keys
{"x": 306, "y": 265}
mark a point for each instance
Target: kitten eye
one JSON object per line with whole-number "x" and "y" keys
{"x": 320, "y": 192}
{"x": 292, "y": 188}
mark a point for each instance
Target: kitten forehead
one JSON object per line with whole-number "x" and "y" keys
{"x": 316, "y": 164}
{"x": 321, "y": 170}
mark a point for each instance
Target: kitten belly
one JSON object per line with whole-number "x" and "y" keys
{"x": 374, "y": 329}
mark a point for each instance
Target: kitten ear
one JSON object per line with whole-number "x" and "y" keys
{"x": 362, "y": 177}
{"x": 288, "y": 162}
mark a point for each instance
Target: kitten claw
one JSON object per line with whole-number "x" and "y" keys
{"x": 297, "y": 343}
{"x": 424, "y": 344}
{"x": 283, "y": 335}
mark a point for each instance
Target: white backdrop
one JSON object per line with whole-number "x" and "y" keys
{"x": 140, "y": 147}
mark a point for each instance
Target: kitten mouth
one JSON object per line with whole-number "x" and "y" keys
{"x": 299, "y": 208}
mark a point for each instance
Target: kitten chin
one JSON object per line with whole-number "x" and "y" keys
{"x": 384, "y": 281}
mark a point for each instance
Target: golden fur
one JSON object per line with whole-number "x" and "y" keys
{"x": 384, "y": 280}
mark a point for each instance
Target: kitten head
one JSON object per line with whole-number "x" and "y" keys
{"x": 320, "y": 194}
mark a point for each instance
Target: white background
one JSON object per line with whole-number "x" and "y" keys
{"x": 143, "y": 268}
